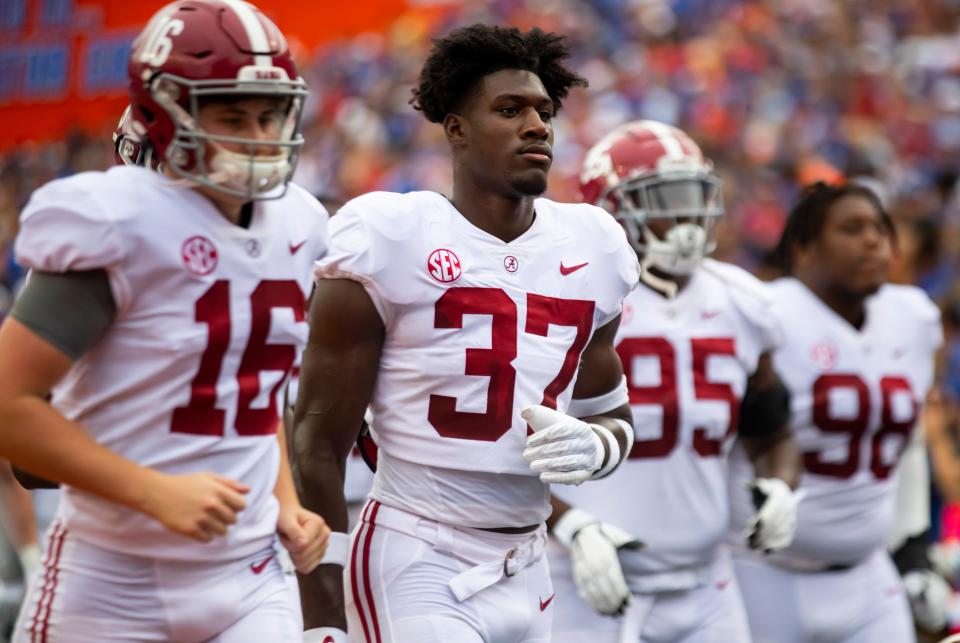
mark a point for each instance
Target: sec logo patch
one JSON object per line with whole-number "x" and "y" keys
{"x": 824, "y": 354}
{"x": 199, "y": 255}
{"x": 444, "y": 266}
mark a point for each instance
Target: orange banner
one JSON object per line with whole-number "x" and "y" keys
{"x": 63, "y": 63}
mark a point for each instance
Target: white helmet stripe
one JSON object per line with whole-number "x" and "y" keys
{"x": 255, "y": 33}
{"x": 667, "y": 139}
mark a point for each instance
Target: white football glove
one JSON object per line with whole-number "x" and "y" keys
{"x": 929, "y": 595}
{"x": 325, "y": 635}
{"x": 596, "y": 567}
{"x": 774, "y": 523}
{"x": 562, "y": 449}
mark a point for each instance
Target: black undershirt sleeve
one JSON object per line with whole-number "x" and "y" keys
{"x": 765, "y": 412}
{"x": 70, "y": 310}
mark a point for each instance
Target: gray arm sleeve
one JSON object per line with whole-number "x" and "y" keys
{"x": 70, "y": 310}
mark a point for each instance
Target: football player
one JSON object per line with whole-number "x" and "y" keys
{"x": 164, "y": 311}
{"x": 858, "y": 360}
{"x": 695, "y": 341}
{"x": 461, "y": 321}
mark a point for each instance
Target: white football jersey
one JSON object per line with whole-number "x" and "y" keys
{"x": 477, "y": 329}
{"x": 687, "y": 361}
{"x": 856, "y": 396}
{"x": 189, "y": 377}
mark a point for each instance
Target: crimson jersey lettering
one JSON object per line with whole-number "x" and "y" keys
{"x": 477, "y": 330}
{"x": 189, "y": 376}
{"x": 687, "y": 361}
{"x": 855, "y": 398}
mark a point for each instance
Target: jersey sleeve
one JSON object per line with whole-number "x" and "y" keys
{"x": 753, "y": 301}
{"x": 624, "y": 264}
{"x": 358, "y": 252}
{"x": 65, "y": 227}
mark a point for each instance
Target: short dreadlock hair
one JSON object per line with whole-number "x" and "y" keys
{"x": 459, "y": 60}
{"x": 806, "y": 220}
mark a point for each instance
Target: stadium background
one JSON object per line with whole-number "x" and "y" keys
{"x": 778, "y": 93}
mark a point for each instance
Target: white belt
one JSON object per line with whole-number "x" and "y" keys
{"x": 490, "y": 563}
{"x": 805, "y": 565}
{"x": 671, "y": 581}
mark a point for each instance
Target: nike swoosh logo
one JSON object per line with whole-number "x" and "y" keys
{"x": 566, "y": 271}
{"x": 294, "y": 248}
{"x": 709, "y": 314}
{"x": 722, "y": 584}
{"x": 256, "y": 568}
{"x": 544, "y": 604}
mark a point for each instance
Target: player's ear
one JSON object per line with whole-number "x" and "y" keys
{"x": 455, "y": 128}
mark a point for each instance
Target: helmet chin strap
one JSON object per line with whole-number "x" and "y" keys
{"x": 679, "y": 253}
{"x": 666, "y": 287}
{"x": 243, "y": 173}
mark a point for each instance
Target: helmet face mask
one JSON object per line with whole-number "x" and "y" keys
{"x": 671, "y": 218}
{"x": 192, "y": 53}
{"x": 655, "y": 181}
{"x": 210, "y": 159}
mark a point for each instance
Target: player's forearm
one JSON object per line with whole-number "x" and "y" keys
{"x": 317, "y": 473}
{"x": 19, "y": 504}
{"x": 321, "y": 592}
{"x": 36, "y": 438}
{"x": 284, "y": 489}
{"x": 321, "y": 598}
{"x": 776, "y": 456}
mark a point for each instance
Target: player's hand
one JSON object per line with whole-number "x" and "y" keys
{"x": 198, "y": 505}
{"x": 304, "y": 534}
{"x": 774, "y": 523}
{"x": 929, "y": 595}
{"x": 596, "y": 567}
{"x": 562, "y": 449}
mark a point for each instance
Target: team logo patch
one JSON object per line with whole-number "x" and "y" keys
{"x": 199, "y": 255}
{"x": 627, "y": 314}
{"x": 510, "y": 263}
{"x": 253, "y": 248}
{"x": 444, "y": 266}
{"x": 824, "y": 354}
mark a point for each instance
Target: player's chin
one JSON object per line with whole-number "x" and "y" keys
{"x": 867, "y": 286}
{"x": 530, "y": 182}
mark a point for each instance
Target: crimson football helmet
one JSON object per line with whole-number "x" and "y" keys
{"x": 192, "y": 50}
{"x": 646, "y": 170}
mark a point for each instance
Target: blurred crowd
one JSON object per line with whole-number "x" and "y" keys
{"x": 779, "y": 93}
